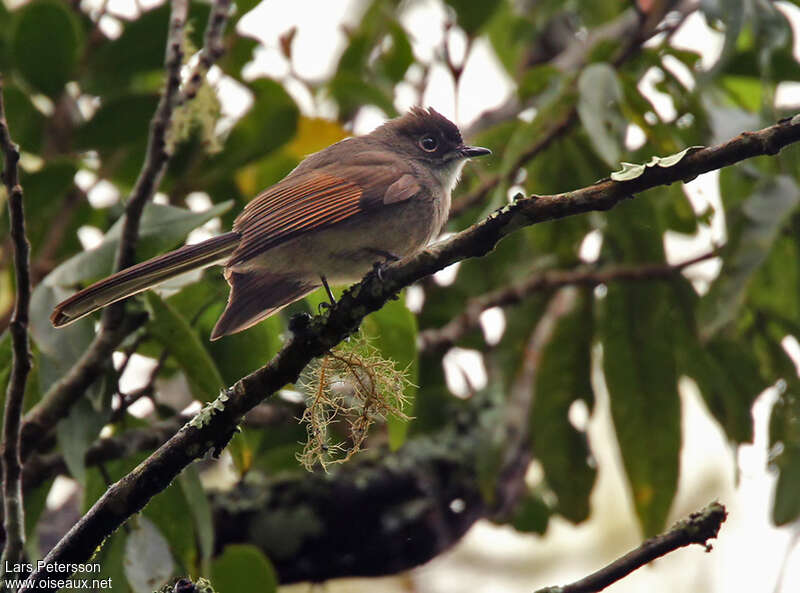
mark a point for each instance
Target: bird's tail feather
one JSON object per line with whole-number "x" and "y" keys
{"x": 143, "y": 276}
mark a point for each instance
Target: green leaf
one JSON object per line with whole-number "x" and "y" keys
{"x": 472, "y": 15}
{"x": 775, "y": 288}
{"x": 531, "y": 514}
{"x": 784, "y": 436}
{"x": 394, "y": 61}
{"x": 168, "y": 513}
{"x": 511, "y": 35}
{"x": 240, "y": 354}
{"x": 351, "y": 91}
{"x": 243, "y": 568}
{"x": 563, "y": 377}
{"x": 729, "y": 381}
{"x": 598, "y": 108}
{"x": 731, "y": 13}
{"x": 764, "y": 213}
{"x": 637, "y": 326}
{"x": 44, "y": 198}
{"x": 394, "y": 329}
{"x": 76, "y": 432}
{"x": 59, "y": 348}
{"x": 200, "y": 509}
{"x": 110, "y": 557}
{"x": 270, "y": 123}
{"x": 45, "y": 45}
{"x": 169, "y": 328}
{"x": 640, "y": 371}
{"x": 125, "y": 63}
{"x": 676, "y": 209}
{"x": 26, "y": 122}
{"x": 148, "y": 562}
{"x": 120, "y": 121}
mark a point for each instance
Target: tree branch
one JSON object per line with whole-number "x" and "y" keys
{"x": 697, "y": 529}
{"x": 437, "y": 340}
{"x": 212, "y": 428}
{"x": 13, "y": 509}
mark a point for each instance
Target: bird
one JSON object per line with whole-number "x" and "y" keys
{"x": 362, "y": 201}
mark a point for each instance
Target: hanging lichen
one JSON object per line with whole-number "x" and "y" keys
{"x": 347, "y": 390}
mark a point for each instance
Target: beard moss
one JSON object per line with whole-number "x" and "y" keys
{"x": 347, "y": 390}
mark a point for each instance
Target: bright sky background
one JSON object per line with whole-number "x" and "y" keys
{"x": 750, "y": 552}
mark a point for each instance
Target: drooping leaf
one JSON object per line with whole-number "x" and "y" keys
{"x": 44, "y": 195}
{"x": 119, "y": 122}
{"x": 46, "y": 43}
{"x": 473, "y": 15}
{"x": 731, "y": 13}
{"x": 531, "y": 515}
{"x": 26, "y": 122}
{"x": 775, "y": 287}
{"x": 243, "y": 568}
{"x": 764, "y": 213}
{"x": 784, "y": 436}
{"x": 169, "y": 515}
{"x": 173, "y": 331}
{"x": 394, "y": 61}
{"x": 148, "y": 561}
{"x": 124, "y": 64}
{"x": 270, "y": 123}
{"x": 637, "y": 326}
{"x": 110, "y": 557}
{"x": 563, "y": 377}
{"x": 598, "y": 108}
{"x": 76, "y": 432}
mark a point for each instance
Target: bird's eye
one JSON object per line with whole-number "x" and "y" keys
{"x": 428, "y": 143}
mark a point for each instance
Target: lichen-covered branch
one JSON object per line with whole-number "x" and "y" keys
{"x": 212, "y": 428}
{"x": 14, "y": 518}
{"x": 698, "y": 528}
{"x": 440, "y": 339}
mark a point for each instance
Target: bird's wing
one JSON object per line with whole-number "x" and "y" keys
{"x": 316, "y": 200}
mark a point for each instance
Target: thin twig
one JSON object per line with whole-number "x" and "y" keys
{"x": 436, "y": 340}
{"x": 213, "y": 48}
{"x": 698, "y": 528}
{"x": 13, "y": 509}
{"x": 213, "y": 426}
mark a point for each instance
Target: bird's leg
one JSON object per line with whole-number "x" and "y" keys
{"x": 327, "y": 290}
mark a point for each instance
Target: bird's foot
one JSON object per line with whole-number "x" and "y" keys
{"x": 380, "y": 266}
{"x": 299, "y": 323}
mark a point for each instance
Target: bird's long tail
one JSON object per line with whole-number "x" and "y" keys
{"x": 143, "y": 276}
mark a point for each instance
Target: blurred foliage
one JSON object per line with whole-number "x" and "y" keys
{"x": 79, "y": 102}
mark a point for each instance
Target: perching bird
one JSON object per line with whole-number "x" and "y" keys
{"x": 360, "y": 201}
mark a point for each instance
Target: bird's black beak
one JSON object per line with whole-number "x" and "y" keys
{"x": 473, "y": 151}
